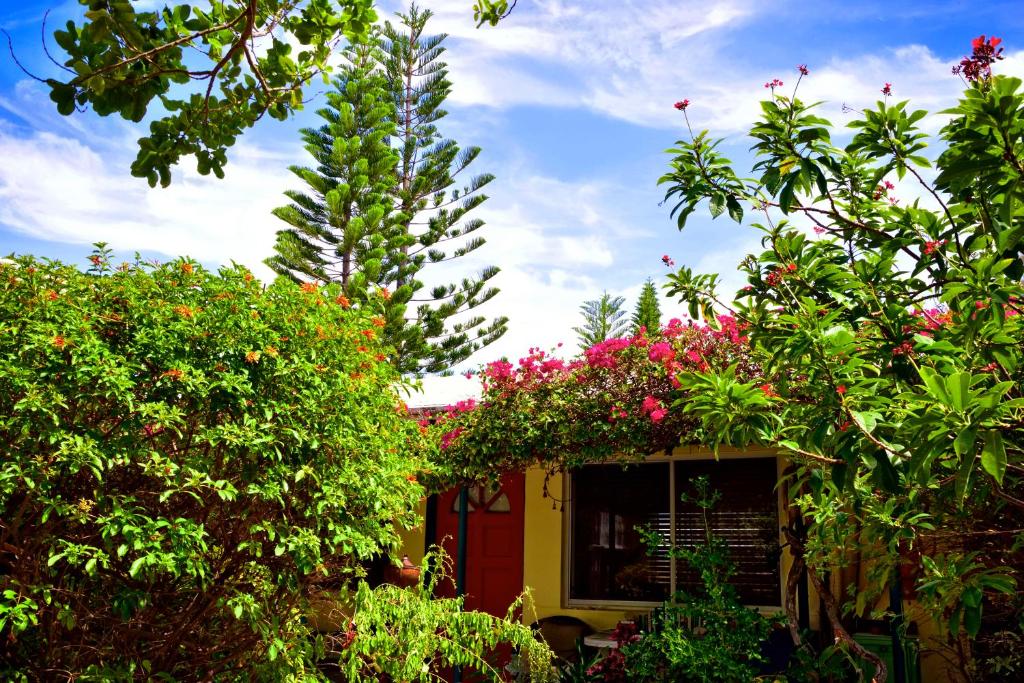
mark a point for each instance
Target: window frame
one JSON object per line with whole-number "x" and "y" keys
{"x": 678, "y": 455}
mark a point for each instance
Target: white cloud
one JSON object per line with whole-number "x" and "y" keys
{"x": 61, "y": 189}
{"x": 631, "y": 60}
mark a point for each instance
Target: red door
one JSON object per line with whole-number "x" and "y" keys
{"x": 494, "y": 550}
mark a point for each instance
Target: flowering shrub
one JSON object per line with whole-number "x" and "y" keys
{"x": 184, "y": 458}
{"x": 612, "y": 400}
{"x": 891, "y": 334}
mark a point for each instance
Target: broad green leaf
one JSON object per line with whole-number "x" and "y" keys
{"x": 993, "y": 455}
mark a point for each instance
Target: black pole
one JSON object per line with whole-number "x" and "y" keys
{"x": 803, "y": 599}
{"x": 429, "y": 534}
{"x": 899, "y": 663}
{"x": 460, "y": 559}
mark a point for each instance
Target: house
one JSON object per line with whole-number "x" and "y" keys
{"x": 572, "y": 539}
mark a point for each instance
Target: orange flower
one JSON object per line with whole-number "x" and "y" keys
{"x": 173, "y": 373}
{"x": 184, "y": 311}
{"x": 59, "y": 341}
{"x": 310, "y": 287}
{"x": 252, "y": 357}
{"x": 343, "y": 301}
{"x": 412, "y": 478}
{"x": 369, "y": 334}
{"x": 378, "y": 321}
{"x": 362, "y": 349}
{"x": 380, "y": 357}
{"x": 384, "y": 293}
{"x": 186, "y": 268}
{"x": 51, "y": 295}
{"x": 355, "y": 375}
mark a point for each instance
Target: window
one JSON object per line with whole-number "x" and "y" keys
{"x": 608, "y": 563}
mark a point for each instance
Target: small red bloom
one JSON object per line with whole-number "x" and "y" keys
{"x": 667, "y": 260}
{"x": 59, "y": 341}
{"x": 791, "y": 267}
{"x": 841, "y": 389}
{"x": 802, "y": 68}
{"x": 887, "y": 89}
{"x": 343, "y": 301}
{"x": 682, "y": 105}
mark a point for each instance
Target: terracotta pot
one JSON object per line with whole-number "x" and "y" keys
{"x": 406, "y": 576}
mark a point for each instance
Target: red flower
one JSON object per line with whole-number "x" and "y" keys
{"x": 310, "y": 287}
{"x": 343, "y": 301}
{"x": 59, "y": 341}
{"x": 802, "y": 68}
{"x": 774, "y": 83}
{"x": 658, "y": 415}
{"x": 768, "y": 390}
{"x": 887, "y": 89}
{"x": 983, "y": 55}
{"x": 682, "y": 105}
{"x": 667, "y": 260}
{"x": 841, "y": 389}
{"x": 791, "y": 267}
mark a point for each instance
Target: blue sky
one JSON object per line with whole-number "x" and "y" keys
{"x": 571, "y": 101}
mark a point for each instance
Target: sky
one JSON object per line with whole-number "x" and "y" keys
{"x": 571, "y": 102}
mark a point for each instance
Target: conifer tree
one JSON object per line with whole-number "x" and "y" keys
{"x": 433, "y": 208}
{"x": 648, "y": 312}
{"x": 383, "y": 203}
{"x": 341, "y": 226}
{"x": 602, "y": 319}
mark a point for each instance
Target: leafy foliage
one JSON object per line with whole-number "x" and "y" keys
{"x": 213, "y": 68}
{"x": 889, "y": 332}
{"x": 408, "y": 635}
{"x": 704, "y": 635}
{"x": 603, "y": 319}
{"x": 186, "y": 457}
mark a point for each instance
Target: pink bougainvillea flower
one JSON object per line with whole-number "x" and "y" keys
{"x": 658, "y": 415}
{"x": 661, "y": 352}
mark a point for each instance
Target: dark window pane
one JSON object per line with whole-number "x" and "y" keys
{"x": 607, "y": 559}
{"x": 746, "y": 518}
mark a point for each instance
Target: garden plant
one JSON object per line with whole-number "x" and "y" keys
{"x": 877, "y": 344}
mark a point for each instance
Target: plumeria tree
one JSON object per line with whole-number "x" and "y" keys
{"x": 884, "y": 314}
{"x": 877, "y": 344}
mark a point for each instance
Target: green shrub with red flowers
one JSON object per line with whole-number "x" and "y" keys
{"x": 885, "y": 313}
{"x": 187, "y": 460}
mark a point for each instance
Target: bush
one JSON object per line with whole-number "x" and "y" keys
{"x": 185, "y": 457}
